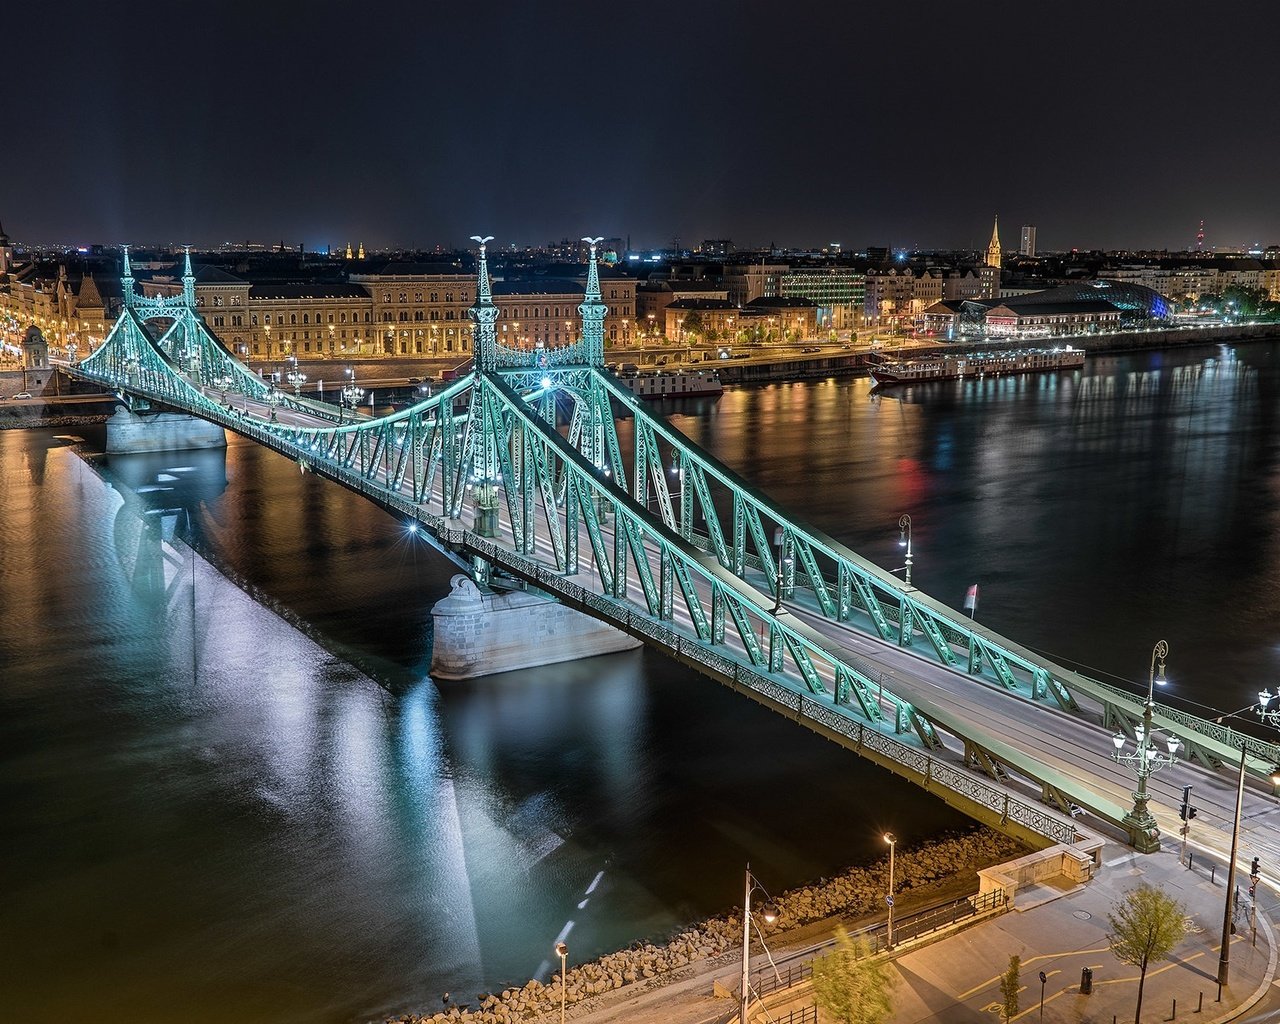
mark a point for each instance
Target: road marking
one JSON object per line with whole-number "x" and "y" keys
{"x": 1031, "y": 960}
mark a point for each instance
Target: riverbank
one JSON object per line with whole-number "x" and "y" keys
{"x": 807, "y": 914}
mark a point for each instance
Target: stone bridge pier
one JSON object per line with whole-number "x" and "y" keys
{"x": 479, "y": 633}
{"x": 129, "y": 433}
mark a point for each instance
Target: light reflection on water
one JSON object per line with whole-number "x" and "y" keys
{"x": 251, "y": 828}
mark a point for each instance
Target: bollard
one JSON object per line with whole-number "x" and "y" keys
{"x": 1213, "y": 875}
{"x": 1200, "y": 1005}
{"x": 1086, "y": 981}
{"x": 1191, "y": 858}
{"x": 1219, "y": 999}
{"x": 1174, "y": 1015}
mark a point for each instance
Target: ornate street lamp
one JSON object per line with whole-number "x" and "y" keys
{"x": 351, "y": 394}
{"x": 904, "y": 541}
{"x": 1146, "y": 760}
{"x": 1268, "y": 708}
{"x": 296, "y": 377}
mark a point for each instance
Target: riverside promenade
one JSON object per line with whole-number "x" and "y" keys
{"x": 954, "y": 978}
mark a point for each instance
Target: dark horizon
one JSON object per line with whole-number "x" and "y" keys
{"x": 403, "y": 126}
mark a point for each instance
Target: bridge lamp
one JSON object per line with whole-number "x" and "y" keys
{"x": 1146, "y": 760}
{"x": 904, "y": 541}
{"x": 546, "y": 383}
{"x": 1268, "y": 711}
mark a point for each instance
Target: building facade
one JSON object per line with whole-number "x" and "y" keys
{"x": 838, "y": 292}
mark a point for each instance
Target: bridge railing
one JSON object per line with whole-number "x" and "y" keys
{"x": 1224, "y": 734}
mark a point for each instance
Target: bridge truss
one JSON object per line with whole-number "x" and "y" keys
{"x": 519, "y": 470}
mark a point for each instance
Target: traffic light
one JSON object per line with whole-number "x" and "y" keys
{"x": 1186, "y": 812}
{"x": 1254, "y": 871}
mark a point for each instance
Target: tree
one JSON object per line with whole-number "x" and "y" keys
{"x": 1145, "y": 929}
{"x": 851, "y": 985}
{"x": 1009, "y": 986}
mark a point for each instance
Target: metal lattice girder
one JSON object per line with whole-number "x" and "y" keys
{"x": 931, "y": 630}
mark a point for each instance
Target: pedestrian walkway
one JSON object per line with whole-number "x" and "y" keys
{"x": 956, "y": 980}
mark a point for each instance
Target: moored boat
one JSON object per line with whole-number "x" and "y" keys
{"x": 977, "y": 364}
{"x": 657, "y": 384}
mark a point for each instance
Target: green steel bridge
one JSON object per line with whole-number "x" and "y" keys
{"x": 517, "y": 471}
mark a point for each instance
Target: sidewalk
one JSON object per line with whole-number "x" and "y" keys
{"x": 957, "y": 979}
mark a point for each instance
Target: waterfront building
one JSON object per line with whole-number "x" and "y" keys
{"x": 704, "y": 319}
{"x": 1017, "y": 318}
{"x": 419, "y": 308}
{"x": 789, "y": 318}
{"x": 971, "y": 283}
{"x": 898, "y": 293}
{"x": 839, "y": 292}
{"x": 654, "y": 296}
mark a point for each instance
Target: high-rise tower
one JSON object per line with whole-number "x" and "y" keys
{"x": 993, "y": 247}
{"x": 1028, "y": 246}
{"x": 1200, "y": 238}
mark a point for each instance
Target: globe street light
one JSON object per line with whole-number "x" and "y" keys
{"x": 770, "y": 914}
{"x": 562, "y": 951}
{"x": 1268, "y": 708}
{"x": 892, "y": 840}
{"x": 1146, "y": 760}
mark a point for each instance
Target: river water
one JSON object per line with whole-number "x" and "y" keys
{"x": 231, "y": 792}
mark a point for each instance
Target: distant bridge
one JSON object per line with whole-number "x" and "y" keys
{"x": 516, "y": 470}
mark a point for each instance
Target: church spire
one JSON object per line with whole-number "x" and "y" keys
{"x": 993, "y": 247}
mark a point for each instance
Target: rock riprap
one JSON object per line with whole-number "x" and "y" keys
{"x": 858, "y": 891}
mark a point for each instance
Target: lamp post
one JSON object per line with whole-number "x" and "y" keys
{"x": 770, "y": 915}
{"x": 562, "y": 951}
{"x": 904, "y": 541}
{"x": 1146, "y": 760}
{"x": 892, "y": 840}
{"x": 784, "y": 563}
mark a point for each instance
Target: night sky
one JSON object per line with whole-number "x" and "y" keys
{"x": 415, "y": 124}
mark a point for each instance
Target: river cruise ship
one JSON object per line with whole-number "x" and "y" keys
{"x": 658, "y": 384}
{"x": 978, "y": 364}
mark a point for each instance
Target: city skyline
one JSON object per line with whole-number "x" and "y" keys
{"x": 410, "y": 129}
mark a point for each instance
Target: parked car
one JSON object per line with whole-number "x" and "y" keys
{"x": 22, "y": 394}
